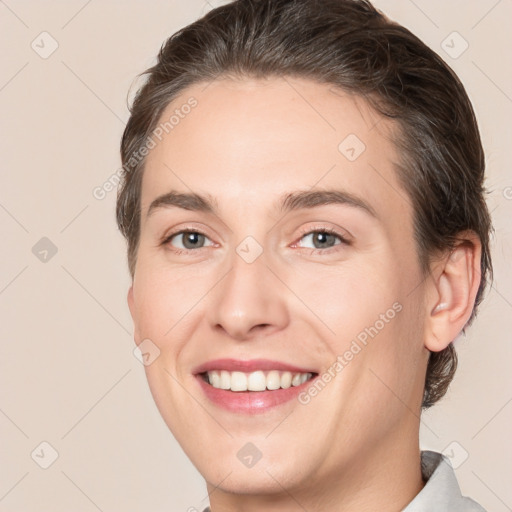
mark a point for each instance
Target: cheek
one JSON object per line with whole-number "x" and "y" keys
{"x": 350, "y": 300}
{"x": 389, "y": 370}
{"x": 370, "y": 318}
{"x": 164, "y": 297}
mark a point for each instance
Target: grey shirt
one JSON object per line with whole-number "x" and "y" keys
{"x": 441, "y": 492}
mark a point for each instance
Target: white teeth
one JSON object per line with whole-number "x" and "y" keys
{"x": 225, "y": 380}
{"x": 273, "y": 380}
{"x": 238, "y": 381}
{"x": 214, "y": 379}
{"x": 256, "y": 381}
{"x": 286, "y": 380}
{"x": 296, "y": 380}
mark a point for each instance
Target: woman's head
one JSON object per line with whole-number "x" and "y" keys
{"x": 261, "y": 98}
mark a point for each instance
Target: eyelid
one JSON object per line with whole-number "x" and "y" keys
{"x": 166, "y": 238}
{"x": 183, "y": 230}
{"x": 343, "y": 234}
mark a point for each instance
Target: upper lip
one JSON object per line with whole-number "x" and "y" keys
{"x": 248, "y": 366}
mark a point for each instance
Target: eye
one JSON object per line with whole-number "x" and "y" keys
{"x": 190, "y": 240}
{"x": 187, "y": 240}
{"x": 324, "y": 239}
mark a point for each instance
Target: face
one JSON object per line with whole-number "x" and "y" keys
{"x": 277, "y": 261}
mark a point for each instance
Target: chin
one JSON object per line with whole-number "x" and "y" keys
{"x": 262, "y": 479}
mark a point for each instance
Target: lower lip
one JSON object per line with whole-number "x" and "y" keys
{"x": 251, "y": 402}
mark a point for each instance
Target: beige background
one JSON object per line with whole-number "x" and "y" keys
{"x": 68, "y": 374}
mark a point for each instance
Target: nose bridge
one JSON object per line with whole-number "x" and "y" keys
{"x": 249, "y": 297}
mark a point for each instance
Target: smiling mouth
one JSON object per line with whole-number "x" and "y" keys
{"x": 256, "y": 381}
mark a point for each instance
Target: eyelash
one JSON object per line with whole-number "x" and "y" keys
{"x": 168, "y": 238}
{"x": 329, "y": 231}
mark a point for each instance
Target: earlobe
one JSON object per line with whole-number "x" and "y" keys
{"x": 455, "y": 283}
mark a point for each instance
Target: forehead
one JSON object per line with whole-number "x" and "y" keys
{"x": 247, "y": 142}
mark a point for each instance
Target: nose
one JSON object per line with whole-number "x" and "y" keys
{"x": 249, "y": 301}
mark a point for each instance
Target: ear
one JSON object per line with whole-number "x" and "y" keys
{"x": 455, "y": 282}
{"x": 131, "y": 306}
{"x": 131, "y": 302}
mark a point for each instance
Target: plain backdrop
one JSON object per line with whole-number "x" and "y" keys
{"x": 68, "y": 377}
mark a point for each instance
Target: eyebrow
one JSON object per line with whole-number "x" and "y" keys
{"x": 288, "y": 202}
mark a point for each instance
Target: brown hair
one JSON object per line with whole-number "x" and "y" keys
{"x": 352, "y": 46}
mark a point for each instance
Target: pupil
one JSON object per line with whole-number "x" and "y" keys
{"x": 323, "y": 238}
{"x": 192, "y": 238}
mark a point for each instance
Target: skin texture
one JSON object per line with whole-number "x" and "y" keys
{"x": 248, "y": 143}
